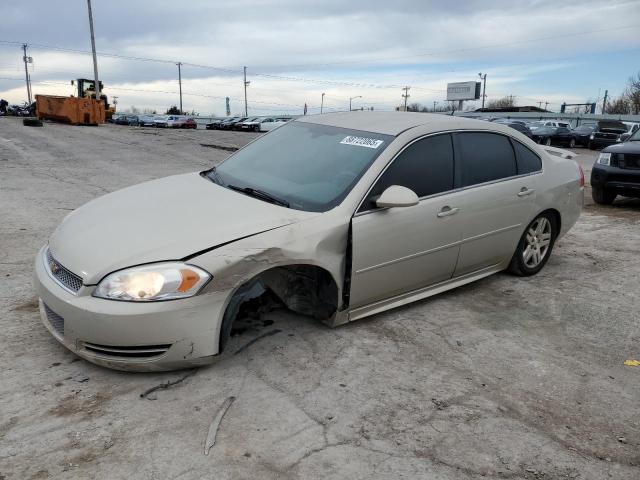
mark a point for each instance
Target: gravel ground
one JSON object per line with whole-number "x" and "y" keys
{"x": 504, "y": 378}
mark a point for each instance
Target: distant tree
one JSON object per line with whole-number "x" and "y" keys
{"x": 173, "y": 110}
{"x": 619, "y": 106}
{"x": 633, "y": 93}
{"x": 503, "y": 102}
{"x": 134, "y": 109}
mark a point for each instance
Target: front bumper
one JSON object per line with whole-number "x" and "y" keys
{"x": 131, "y": 336}
{"x": 625, "y": 181}
{"x": 598, "y": 142}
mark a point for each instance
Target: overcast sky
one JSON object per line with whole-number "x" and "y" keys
{"x": 538, "y": 51}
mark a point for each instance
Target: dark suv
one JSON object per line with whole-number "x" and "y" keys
{"x": 617, "y": 171}
{"x": 607, "y": 132}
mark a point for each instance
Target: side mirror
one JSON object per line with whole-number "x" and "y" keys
{"x": 397, "y": 196}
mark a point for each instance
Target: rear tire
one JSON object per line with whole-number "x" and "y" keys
{"x": 547, "y": 142}
{"x": 572, "y": 143}
{"x": 535, "y": 246}
{"x": 32, "y": 122}
{"x": 602, "y": 196}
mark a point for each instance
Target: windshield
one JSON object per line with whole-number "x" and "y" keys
{"x": 307, "y": 166}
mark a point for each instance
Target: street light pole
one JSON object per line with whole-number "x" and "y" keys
{"x": 179, "y": 64}
{"x": 483, "y": 77}
{"x": 93, "y": 50}
{"x": 353, "y": 98}
{"x": 322, "y": 103}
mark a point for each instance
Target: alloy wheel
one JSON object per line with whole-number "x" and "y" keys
{"x": 538, "y": 239}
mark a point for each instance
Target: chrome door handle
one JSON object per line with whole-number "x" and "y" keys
{"x": 525, "y": 191}
{"x": 446, "y": 211}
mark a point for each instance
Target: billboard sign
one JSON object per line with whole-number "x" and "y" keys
{"x": 463, "y": 91}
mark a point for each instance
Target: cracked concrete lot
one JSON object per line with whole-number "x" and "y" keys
{"x": 508, "y": 377}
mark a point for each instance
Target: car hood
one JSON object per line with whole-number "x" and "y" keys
{"x": 625, "y": 147}
{"x": 166, "y": 219}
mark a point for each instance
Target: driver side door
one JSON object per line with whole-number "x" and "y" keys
{"x": 397, "y": 250}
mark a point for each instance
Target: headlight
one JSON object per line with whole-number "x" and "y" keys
{"x": 592, "y": 136}
{"x": 604, "y": 158}
{"x": 154, "y": 282}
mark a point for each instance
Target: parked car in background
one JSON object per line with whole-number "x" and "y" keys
{"x": 228, "y": 124}
{"x": 547, "y": 123}
{"x": 262, "y": 124}
{"x": 617, "y": 171}
{"x": 582, "y": 133}
{"x": 238, "y": 125}
{"x": 519, "y": 126}
{"x": 215, "y": 125}
{"x": 182, "y": 122}
{"x": 607, "y": 132}
{"x": 125, "y": 119}
{"x": 161, "y": 121}
{"x": 632, "y": 127}
{"x": 146, "y": 120}
{"x": 553, "y": 136}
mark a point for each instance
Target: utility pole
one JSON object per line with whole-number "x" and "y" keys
{"x": 434, "y": 105}
{"x": 179, "y": 64}
{"x": 604, "y": 102}
{"x": 483, "y": 77}
{"x": 322, "y": 103}
{"x": 545, "y": 105}
{"x": 93, "y": 49}
{"x": 26, "y": 71}
{"x": 406, "y": 96}
{"x": 246, "y": 84}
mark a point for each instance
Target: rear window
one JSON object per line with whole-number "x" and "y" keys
{"x": 526, "y": 160}
{"x": 485, "y": 157}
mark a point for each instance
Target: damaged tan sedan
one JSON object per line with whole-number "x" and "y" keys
{"x": 340, "y": 216}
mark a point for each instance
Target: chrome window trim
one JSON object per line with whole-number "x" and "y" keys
{"x": 455, "y": 190}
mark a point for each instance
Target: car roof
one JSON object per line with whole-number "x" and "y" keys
{"x": 394, "y": 123}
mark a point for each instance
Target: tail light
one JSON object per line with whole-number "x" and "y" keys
{"x": 581, "y": 174}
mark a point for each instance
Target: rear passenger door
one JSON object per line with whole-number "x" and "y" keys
{"x": 499, "y": 181}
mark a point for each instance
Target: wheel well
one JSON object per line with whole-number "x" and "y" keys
{"x": 306, "y": 289}
{"x": 556, "y": 215}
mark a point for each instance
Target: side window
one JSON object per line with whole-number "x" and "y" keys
{"x": 528, "y": 162}
{"x": 425, "y": 166}
{"x": 485, "y": 157}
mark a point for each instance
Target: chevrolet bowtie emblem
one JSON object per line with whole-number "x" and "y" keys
{"x": 54, "y": 267}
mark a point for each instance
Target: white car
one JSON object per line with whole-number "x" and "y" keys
{"x": 340, "y": 216}
{"x": 262, "y": 124}
{"x": 548, "y": 123}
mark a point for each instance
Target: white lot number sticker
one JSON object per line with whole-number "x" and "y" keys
{"x": 362, "y": 142}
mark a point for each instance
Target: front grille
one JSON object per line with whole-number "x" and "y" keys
{"x": 629, "y": 160}
{"x": 611, "y": 136}
{"x": 65, "y": 277}
{"x": 55, "y": 320}
{"x": 143, "y": 351}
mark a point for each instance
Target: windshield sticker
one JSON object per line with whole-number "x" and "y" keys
{"x": 362, "y": 142}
